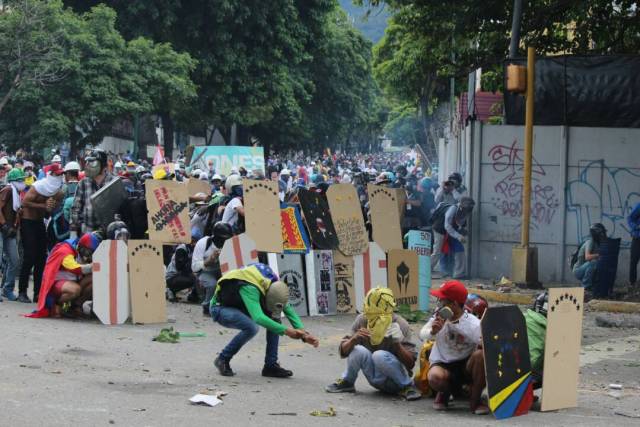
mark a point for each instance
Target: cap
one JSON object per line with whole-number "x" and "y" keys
{"x": 55, "y": 169}
{"x": 452, "y": 290}
{"x": 130, "y": 164}
{"x": 57, "y": 158}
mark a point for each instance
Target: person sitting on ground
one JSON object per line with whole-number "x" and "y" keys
{"x": 179, "y": 275}
{"x": 536, "y": 321}
{"x": 380, "y": 346}
{"x": 250, "y": 297}
{"x": 455, "y": 359}
{"x": 585, "y": 268}
{"x": 205, "y": 261}
{"x": 67, "y": 279}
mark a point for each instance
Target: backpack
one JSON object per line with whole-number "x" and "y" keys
{"x": 437, "y": 218}
{"x": 573, "y": 258}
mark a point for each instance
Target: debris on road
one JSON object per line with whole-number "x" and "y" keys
{"x": 168, "y": 335}
{"x": 330, "y": 413}
{"x": 615, "y": 386}
{"x": 284, "y": 413}
{"x": 205, "y": 399}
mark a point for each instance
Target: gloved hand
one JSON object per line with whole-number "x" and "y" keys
{"x": 73, "y": 234}
{"x": 86, "y": 268}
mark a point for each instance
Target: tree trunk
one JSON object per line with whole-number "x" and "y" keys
{"x": 167, "y": 131}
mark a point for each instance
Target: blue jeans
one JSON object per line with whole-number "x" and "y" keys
{"x": 585, "y": 273}
{"x": 382, "y": 369}
{"x": 233, "y": 318}
{"x": 10, "y": 251}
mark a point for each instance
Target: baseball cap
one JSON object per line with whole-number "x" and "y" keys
{"x": 56, "y": 169}
{"x": 452, "y": 290}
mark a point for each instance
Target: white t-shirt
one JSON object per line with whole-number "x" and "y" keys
{"x": 455, "y": 341}
{"x": 230, "y": 215}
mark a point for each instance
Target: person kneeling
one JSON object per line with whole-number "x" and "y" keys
{"x": 252, "y": 296}
{"x": 67, "y": 279}
{"x": 380, "y": 346}
{"x": 455, "y": 359}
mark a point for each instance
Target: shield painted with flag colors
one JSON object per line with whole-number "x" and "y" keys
{"x": 506, "y": 361}
{"x": 111, "y": 301}
{"x": 238, "y": 252}
{"x": 294, "y": 235}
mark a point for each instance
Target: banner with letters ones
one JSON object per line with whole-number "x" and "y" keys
{"x": 222, "y": 158}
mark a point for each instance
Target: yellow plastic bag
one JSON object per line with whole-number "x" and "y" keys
{"x": 421, "y": 378}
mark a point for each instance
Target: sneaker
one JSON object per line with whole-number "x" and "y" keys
{"x": 205, "y": 310}
{"x": 23, "y": 298}
{"x": 170, "y": 295}
{"x": 340, "y": 386}
{"x": 276, "y": 371}
{"x": 223, "y": 367}
{"x": 480, "y": 409}
{"x": 410, "y": 393}
{"x": 9, "y": 295}
{"x": 441, "y": 402}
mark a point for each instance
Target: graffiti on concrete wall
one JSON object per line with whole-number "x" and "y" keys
{"x": 603, "y": 194}
{"x": 507, "y": 162}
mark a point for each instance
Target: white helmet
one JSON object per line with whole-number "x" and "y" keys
{"x": 56, "y": 158}
{"x": 285, "y": 171}
{"x": 4, "y": 161}
{"x": 118, "y": 165}
{"x": 232, "y": 181}
{"x": 72, "y": 166}
{"x": 216, "y": 177}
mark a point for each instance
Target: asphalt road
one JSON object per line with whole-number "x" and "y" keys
{"x": 67, "y": 373}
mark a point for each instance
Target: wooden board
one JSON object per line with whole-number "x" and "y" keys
{"x": 369, "y": 271}
{"x": 146, "y": 281}
{"x": 237, "y": 252}
{"x": 348, "y": 221}
{"x": 343, "y": 275}
{"x": 562, "y": 348}
{"x": 403, "y": 276}
{"x": 385, "y": 218}
{"x": 420, "y": 243}
{"x": 506, "y": 361}
{"x": 111, "y": 299}
{"x": 168, "y": 211}
{"x": 196, "y": 186}
{"x": 262, "y": 214}
{"x": 295, "y": 239}
{"x": 317, "y": 216}
{"x": 291, "y": 271}
{"x": 320, "y": 283}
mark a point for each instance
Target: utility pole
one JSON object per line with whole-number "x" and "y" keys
{"x": 515, "y": 28}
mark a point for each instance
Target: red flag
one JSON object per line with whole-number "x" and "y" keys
{"x": 159, "y": 156}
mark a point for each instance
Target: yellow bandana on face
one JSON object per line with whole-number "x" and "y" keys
{"x": 378, "y": 310}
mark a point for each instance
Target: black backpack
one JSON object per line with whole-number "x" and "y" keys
{"x": 573, "y": 258}
{"x": 437, "y": 217}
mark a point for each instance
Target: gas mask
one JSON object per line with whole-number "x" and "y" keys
{"x": 276, "y": 298}
{"x": 92, "y": 168}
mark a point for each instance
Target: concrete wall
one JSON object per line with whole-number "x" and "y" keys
{"x": 580, "y": 176}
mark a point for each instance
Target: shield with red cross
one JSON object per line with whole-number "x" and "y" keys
{"x": 369, "y": 271}
{"x": 237, "y": 252}
{"x": 111, "y": 301}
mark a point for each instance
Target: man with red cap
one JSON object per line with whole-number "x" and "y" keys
{"x": 456, "y": 359}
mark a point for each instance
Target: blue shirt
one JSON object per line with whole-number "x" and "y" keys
{"x": 633, "y": 220}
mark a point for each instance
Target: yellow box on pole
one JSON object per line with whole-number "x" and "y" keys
{"x": 516, "y": 78}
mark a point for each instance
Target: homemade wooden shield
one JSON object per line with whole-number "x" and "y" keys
{"x": 168, "y": 211}
{"x": 294, "y": 236}
{"x": 146, "y": 281}
{"x": 420, "y": 243}
{"x": 107, "y": 201}
{"x": 290, "y": 270}
{"x": 385, "y": 218}
{"x": 111, "y": 299}
{"x": 237, "y": 252}
{"x": 320, "y": 283}
{"x": 345, "y": 290}
{"x": 506, "y": 361}
{"x": 315, "y": 210}
{"x": 347, "y": 219}
{"x": 196, "y": 186}
{"x": 403, "y": 276}
{"x": 369, "y": 271}
{"x": 262, "y": 214}
{"x": 562, "y": 348}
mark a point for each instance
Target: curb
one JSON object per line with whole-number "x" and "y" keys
{"x": 505, "y": 298}
{"x": 613, "y": 306}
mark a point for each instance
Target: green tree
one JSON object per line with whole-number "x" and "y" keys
{"x": 32, "y": 45}
{"x": 107, "y": 79}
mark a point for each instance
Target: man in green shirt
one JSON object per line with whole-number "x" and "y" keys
{"x": 250, "y": 297}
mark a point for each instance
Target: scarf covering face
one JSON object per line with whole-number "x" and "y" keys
{"x": 49, "y": 186}
{"x": 378, "y": 310}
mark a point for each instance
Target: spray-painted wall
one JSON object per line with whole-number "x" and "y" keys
{"x": 580, "y": 176}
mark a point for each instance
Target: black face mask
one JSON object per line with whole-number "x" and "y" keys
{"x": 218, "y": 241}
